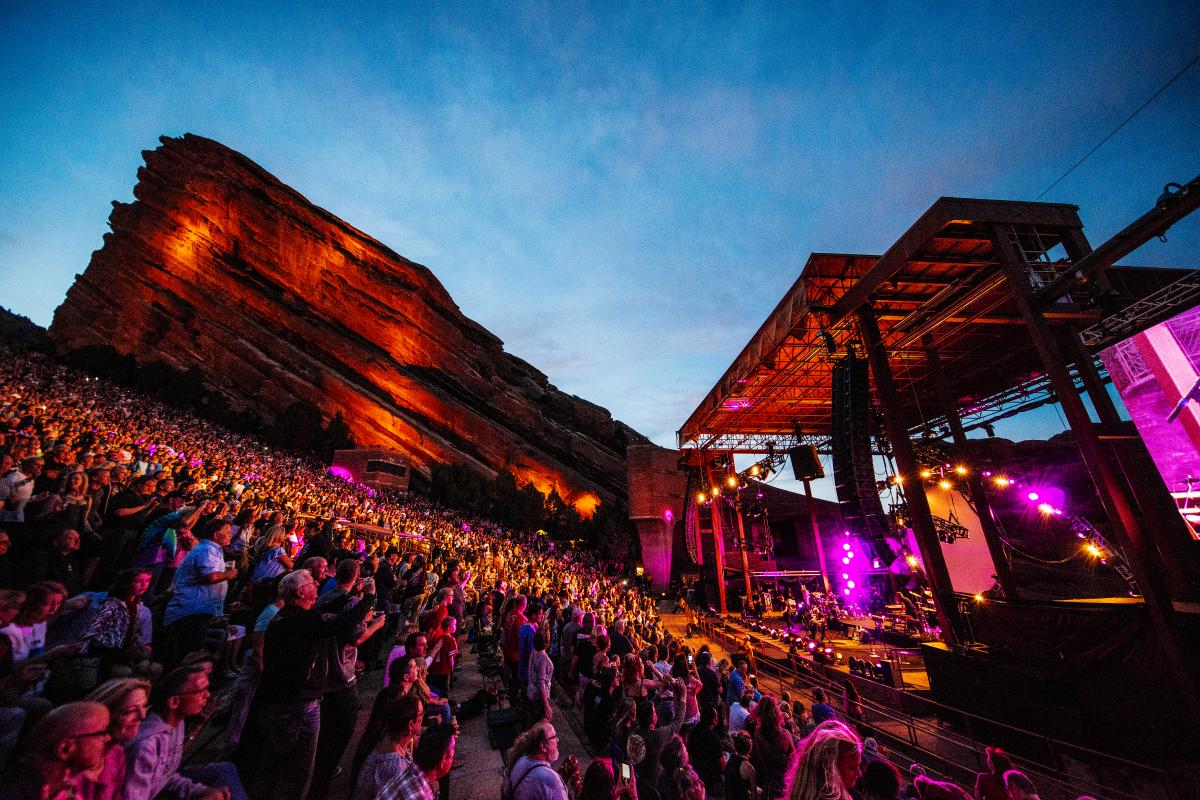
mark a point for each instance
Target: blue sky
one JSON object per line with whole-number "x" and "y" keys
{"x": 621, "y": 194}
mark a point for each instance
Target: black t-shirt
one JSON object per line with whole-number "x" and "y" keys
{"x": 710, "y": 685}
{"x": 585, "y": 651}
{"x": 704, "y": 751}
{"x": 131, "y": 499}
{"x": 620, "y": 644}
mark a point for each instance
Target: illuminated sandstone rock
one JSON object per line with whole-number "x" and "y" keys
{"x": 221, "y": 267}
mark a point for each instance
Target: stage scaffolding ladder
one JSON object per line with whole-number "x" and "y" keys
{"x": 1034, "y": 248}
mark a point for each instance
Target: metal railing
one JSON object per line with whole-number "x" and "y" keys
{"x": 918, "y": 724}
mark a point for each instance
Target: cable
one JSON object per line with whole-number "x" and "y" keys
{"x": 1153, "y": 97}
{"x": 1031, "y": 557}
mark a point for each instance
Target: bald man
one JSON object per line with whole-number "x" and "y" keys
{"x": 67, "y": 741}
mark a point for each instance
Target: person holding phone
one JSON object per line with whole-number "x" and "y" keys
{"x": 606, "y": 779}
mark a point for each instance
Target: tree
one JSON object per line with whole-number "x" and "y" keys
{"x": 336, "y": 436}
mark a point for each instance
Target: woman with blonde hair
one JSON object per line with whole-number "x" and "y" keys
{"x": 127, "y": 700}
{"x": 271, "y": 563}
{"x": 826, "y": 765}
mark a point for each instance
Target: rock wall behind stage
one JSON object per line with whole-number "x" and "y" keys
{"x": 220, "y": 267}
{"x": 656, "y": 506}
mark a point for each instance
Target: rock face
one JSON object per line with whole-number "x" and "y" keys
{"x": 219, "y": 266}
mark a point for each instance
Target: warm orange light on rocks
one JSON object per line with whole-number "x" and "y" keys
{"x": 220, "y": 267}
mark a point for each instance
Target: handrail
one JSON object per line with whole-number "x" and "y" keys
{"x": 911, "y": 698}
{"x": 913, "y": 725}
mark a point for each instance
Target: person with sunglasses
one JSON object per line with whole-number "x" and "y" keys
{"x": 154, "y": 756}
{"x": 69, "y": 741}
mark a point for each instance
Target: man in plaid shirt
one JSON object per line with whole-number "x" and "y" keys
{"x": 432, "y": 760}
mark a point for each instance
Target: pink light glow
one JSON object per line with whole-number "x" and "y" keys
{"x": 340, "y": 472}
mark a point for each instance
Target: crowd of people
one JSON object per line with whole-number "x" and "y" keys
{"x": 148, "y": 557}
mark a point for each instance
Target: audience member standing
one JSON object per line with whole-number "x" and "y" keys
{"x": 200, "y": 585}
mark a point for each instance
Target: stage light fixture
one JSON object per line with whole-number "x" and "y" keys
{"x": 960, "y": 469}
{"x": 911, "y": 560}
{"x": 754, "y": 470}
{"x": 944, "y": 484}
{"x": 1033, "y": 497}
{"x": 978, "y": 598}
{"x": 701, "y": 497}
{"x": 846, "y": 560}
{"x": 1045, "y": 508}
{"x": 926, "y": 473}
{"x": 845, "y": 547}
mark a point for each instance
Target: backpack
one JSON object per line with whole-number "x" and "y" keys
{"x": 508, "y": 790}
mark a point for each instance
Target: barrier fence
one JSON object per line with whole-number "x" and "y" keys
{"x": 952, "y": 741}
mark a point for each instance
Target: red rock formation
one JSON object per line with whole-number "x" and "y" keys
{"x": 221, "y": 267}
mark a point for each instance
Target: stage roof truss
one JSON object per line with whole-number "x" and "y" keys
{"x": 939, "y": 286}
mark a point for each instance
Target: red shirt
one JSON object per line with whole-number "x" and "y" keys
{"x": 443, "y": 662}
{"x": 512, "y": 642}
{"x": 431, "y": 619}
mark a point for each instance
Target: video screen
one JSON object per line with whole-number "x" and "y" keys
{"x": 1157, "y": 374}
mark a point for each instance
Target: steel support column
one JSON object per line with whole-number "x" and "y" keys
{"x": 1106, "y": 410}
{"x": 816, "y": 533}
{"x": 983, "y": 508}
{"x": 914, "y": 491}
{"x": 745, "y": 548}
{"x": 718, "y": 546}
{"x": 1136, "y": 542}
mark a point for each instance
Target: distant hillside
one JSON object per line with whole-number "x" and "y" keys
{"x": 21, "y": 333}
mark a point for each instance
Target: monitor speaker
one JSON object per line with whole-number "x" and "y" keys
{"x": 806, "y": 464}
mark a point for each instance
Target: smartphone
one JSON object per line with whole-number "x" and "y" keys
{"x": 625, "y": 772}
{"x": 690, "y": 659}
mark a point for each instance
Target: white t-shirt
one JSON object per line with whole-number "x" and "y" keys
{"x": 737, "y": 717}
{"x": 28, "y": 641}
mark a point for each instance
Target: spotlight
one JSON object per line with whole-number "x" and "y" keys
{"x": 846, "y": 592}
{"x": 926, "y": 473}
{"x": 1045, "y": 508}
{"x": 716, "y": 491}
{"x": 960, "y": 469}
{"x": 755, "y": 470}
{"x": 978, "y": 598}
{"x": 845, "y": 576}
{"x": 850, "y": 584}
{"x": 1002, "y": 482}
{"x": 911, "y": 560}
{"x": 701, "y": 497}
{"x": 846, "y": 560}
{"x": 1092, "y": 550}
{"x": 845, "y": 547}
{"x": 944, "y": 484}
{"x": 1033, "y": 497}
{"x": 731, "y": 481}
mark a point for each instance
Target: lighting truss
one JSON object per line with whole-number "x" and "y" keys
{"x": 1019, "y": 399}
{"x": 1145, "y": 313}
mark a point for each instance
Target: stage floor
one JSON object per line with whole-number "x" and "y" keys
{"x": 906, "y": 661}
